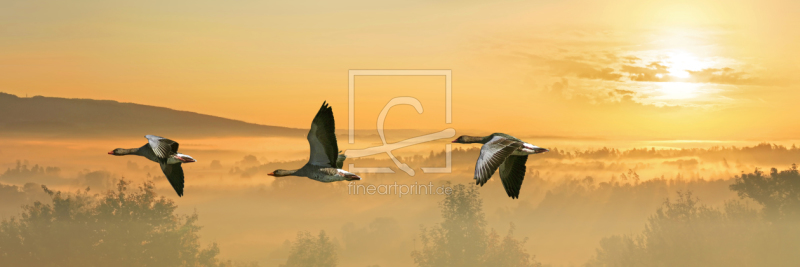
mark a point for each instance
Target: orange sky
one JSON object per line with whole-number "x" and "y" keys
{"x": 614, "y": 69}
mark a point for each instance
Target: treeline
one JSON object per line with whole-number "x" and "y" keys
{"x": 685, "y": 232}
{"x": 136, "y": 227}
{"x": 589, "y": 159}
{"x": 462, "y": 238}
{"x": 119, "y": 228}
{"x": 23, "y": 171}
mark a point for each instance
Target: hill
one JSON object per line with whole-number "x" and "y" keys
{"x": 41, "y": 116}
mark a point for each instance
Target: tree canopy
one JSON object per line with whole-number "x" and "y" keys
{"x": 310, "y": 251}
{"x": 778, "y": 193}
{"x": 119, "y": 228}
{"x": 684, "y": 232}
{"x": 462, "y": 239}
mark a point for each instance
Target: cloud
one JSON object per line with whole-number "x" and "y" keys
{"x": 559, "y": 86}
{"x": 654, "y": 72}
{"x": 597, "y": 93}
{"x": 590, "y": 68}
{"x": 601, "y": 95}
{"x": 623, "y": 92}
{"x": 631, "y": 59}
{"x": 566, "y": 67}
{"x": 610, "y": 66}
{"x": 720, "y": 76}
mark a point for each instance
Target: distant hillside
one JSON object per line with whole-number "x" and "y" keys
{"x": 62, "y": 117}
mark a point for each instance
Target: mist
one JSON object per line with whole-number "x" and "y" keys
{"x": 576, "y": 207}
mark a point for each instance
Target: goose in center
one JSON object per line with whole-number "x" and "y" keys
{"x": 323, "y": 162}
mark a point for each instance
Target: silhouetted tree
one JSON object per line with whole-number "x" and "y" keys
{"x": 119, "y": 228}
{"x": 778, "y": 193}
{"x": 507, "y": 251}
{"x": 462, "y": 239}
{"x": 686, "y": 233}
{"x": 308, "y": 251}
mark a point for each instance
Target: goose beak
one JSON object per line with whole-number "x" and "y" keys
{"x": 353, "y": 177}
{"x": 454, "y": 141}
{"x": 111, "y": 153}
{"x": 271, "y": 174}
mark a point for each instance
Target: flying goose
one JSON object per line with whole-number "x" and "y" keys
{"x": 165, "y": 152}
{"x": 324, "y": 163}
{"x": 504, "y": 151}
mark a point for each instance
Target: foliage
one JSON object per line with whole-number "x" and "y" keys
{"x": 118, "y": 228}
{"x": 22, "y": 170}
{"x": 686, "y": 233}
{"x": 778, "y": 193}
{"x": 308, "y": 251}
{"x": 462, "y": 239}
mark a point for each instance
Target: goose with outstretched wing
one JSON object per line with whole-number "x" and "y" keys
{"x": 164, "y": 152}
{"x": 324, "y": 163}
{"x": 505, "y": 152}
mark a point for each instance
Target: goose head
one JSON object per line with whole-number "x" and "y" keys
{"x": 118, "y": 152}
{"x": 466, "y": 139}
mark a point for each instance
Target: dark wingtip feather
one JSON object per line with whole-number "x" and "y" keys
{"x": 325, "y": 107}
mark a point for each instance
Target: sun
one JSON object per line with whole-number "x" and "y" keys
{"x": 680, "y": 62}
{"x": 677, "y": 90}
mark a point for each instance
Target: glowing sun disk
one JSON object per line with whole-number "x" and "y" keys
{"x": 680, "y": 62}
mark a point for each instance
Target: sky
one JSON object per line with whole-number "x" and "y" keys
{"x": 560, "y": 74}
{"x": 623, "y": 70}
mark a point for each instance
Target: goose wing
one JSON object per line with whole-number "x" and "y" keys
{"x": 161, "y": 146}
{"x": 512, "y": 172}
{"x": 147, "y": 151}
{"x": 322, "y": 138}
{"x": 493, "y": 153}
{"x": 174, "y": 173}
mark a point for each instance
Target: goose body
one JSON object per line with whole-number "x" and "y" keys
{"x": 164, "y": 152}
{"x": 324, "y": 162}
{"x": 505, "y": 152}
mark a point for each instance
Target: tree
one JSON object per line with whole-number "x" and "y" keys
{"x": 686, "y": 233}
{"x": 119, "y": 228}
{"x": 778, "y": 193}
{"x": 461, "y": 239}
{"x": 507, "y": 252}
{"x": 308, "y": 251}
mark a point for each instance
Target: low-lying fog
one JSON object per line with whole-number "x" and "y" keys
{"x": 572, "y": 197}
